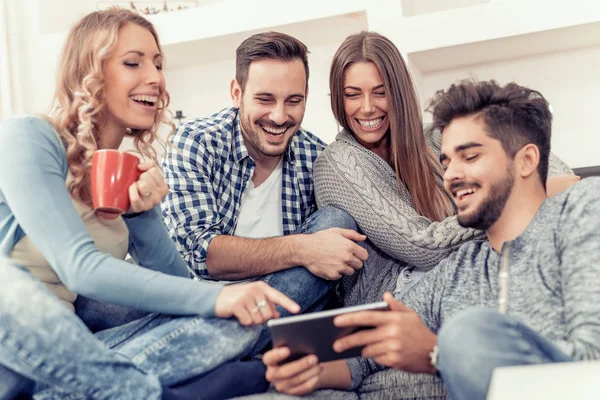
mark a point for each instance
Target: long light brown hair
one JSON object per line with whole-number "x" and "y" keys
{"x": 78, "y": 103}
{"x": 414, "y": 163}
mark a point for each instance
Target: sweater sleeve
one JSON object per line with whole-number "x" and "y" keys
{"x": 425, "y": 298}
{"x": 360, "y": 368}
{"x": 150, "y": 244}
{"x": 33, "y": 169}
{"x": 578, "y": 244}
{"x": 360, "y": 183}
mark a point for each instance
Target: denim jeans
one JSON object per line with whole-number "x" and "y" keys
{"x": 13, "y": 384}
{"x": 44, "y": 341}
{"x": 306, "y": 289}
{"x": 231, "y": 380}
{"x": 475, "y": 342}
{"x": 133, "y": 360}
{"x": 98, "y": 316}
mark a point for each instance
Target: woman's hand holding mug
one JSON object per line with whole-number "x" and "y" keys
{"x": 149, "y": 189}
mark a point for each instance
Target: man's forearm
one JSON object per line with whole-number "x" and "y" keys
{"x": 232, "y": 257}
{"x": 335, "y": 375}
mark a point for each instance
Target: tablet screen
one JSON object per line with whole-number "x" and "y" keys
{"x": 315, "y": 333}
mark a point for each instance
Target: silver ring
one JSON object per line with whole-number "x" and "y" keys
{"x": 259, "y": 305}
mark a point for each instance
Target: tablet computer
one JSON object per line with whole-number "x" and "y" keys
{"x": 315, "y": 333}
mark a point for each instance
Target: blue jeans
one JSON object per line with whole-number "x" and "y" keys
{"x": 309, "y": 291}
{"x": 133, "y": 360}
{"x": 13, "y": 384}
{"x": 98, "y": 316}
{"x": 477, "y": 341}
{"x": 44, "y": 341}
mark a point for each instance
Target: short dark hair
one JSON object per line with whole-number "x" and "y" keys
{"x": 513, "y": 114}
{"x": 268, "y": 45}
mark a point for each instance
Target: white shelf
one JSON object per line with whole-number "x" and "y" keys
{"x": 477, "y": 34}
{"x": 230, "y": 17}
{"x": 491, "y": 21}
{"x": 495, "y": 50}
{"x": 314, "y": 33}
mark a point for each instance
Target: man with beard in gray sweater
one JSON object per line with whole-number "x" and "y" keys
{"x": 528, "y": 295}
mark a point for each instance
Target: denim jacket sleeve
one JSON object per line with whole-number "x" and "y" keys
{"x": 33, "y": 169}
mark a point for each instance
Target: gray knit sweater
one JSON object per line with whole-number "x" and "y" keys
{"x": 554, "y": 267}
{"x": 354, "y": 179}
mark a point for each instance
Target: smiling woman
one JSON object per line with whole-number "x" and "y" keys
{"x": 134, "y": 80}
{"x": 366, "y": 107}
{"x": 108, "y": 61}
{"x": 59, "y": 248}
{"x": 382, "y": 169}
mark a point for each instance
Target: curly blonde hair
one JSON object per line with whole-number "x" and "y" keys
{"x": 79, "y": 97}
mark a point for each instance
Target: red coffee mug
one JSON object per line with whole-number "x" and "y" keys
{"x": 112, "y": 174}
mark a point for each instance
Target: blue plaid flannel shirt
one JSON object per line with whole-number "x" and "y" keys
{"x": 207, "y": 168}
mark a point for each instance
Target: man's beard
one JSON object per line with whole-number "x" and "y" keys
{"x": 254, "y": 137}
{"x": 491, "y": 208}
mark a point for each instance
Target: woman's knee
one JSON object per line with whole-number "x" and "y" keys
{"x": 334, "y": 217}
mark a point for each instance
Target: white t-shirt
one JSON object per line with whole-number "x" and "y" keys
{"x": 260, "y": 212}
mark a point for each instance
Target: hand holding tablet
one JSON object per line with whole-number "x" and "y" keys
{"x": 315, "y": 333}
{"x": 397, "y": 338}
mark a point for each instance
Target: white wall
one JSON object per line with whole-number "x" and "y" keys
{"x": 26, "y": 14}
{"x": 42, "y": 26}
{"x": 198, "y": 73}
{"x": 58, "y": 15}
{"x": 569, "y": 80}
{"x": 417, "y": 7}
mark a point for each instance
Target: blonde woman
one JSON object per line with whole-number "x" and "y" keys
{"x": 110, "y": 85}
